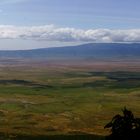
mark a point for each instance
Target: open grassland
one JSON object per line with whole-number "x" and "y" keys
{"x": 40, "y": 98}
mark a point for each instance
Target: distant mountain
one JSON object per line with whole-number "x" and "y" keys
{"x": 85, "y": 51}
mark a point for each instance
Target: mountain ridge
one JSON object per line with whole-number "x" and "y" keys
{"x": 84, "y": 51}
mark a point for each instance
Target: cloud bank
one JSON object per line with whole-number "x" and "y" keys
{"x": 53, "y": 33}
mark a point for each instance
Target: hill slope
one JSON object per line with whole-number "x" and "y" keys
{"x": 86, "y": 51}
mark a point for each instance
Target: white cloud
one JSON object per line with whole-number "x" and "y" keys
{"x": 53, "y": 33}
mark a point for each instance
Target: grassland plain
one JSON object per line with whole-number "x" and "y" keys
{"x": 53, "y": 98}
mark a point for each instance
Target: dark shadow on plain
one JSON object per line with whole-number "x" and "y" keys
{"x": 54, "y": 137}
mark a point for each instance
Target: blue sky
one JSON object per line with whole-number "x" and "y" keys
{"x": 85, "y": 15}
{"x": 118, "y": 14}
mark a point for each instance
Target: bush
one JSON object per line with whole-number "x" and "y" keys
{"x": 124, "y": 126}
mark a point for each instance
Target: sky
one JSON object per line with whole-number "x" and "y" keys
{"x": 30, "y": 24}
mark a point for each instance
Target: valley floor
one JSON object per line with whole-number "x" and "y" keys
{"x": 61, "y": 98}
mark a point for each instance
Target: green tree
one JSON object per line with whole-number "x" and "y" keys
{"x": 125, "y": 125}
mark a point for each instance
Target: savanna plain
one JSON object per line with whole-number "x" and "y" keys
{"x": 58, "y": 97}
